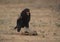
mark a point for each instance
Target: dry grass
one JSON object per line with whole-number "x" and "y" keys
{"x": 44, "y": 20}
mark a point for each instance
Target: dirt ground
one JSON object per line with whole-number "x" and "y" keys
{"x": 46, "y": 21}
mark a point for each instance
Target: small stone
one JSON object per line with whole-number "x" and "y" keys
{"x": 34, "y": 33}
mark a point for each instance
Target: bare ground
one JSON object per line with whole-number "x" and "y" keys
{"x": 45, "y": 21}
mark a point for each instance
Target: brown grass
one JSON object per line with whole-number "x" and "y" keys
{"x": 43, "y": 20}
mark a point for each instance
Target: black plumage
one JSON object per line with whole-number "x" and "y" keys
{"x": 23, "y": 20}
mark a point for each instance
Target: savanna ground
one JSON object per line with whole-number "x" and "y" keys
{"x": 44, "y": 20}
